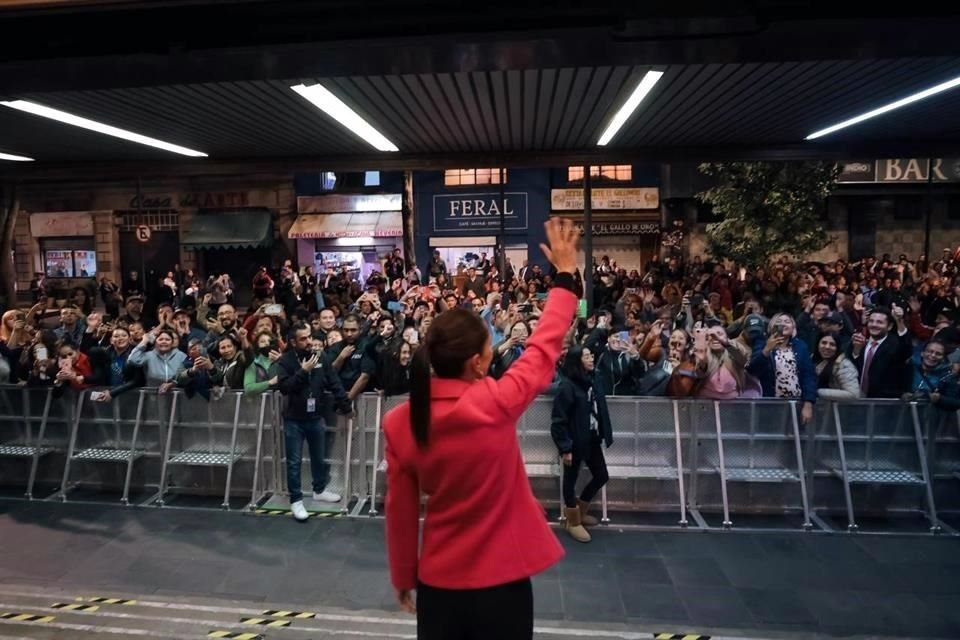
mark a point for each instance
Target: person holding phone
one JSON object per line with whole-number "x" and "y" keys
{"x": 720, "y": 365}
{"x": 74, "y": 367}
{"x": 508, "y": 351}
{"x": 580, "y": 425}
{"x": 784, "y": 366}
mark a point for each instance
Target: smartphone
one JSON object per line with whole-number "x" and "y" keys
{"x": 97, "y": 396}
{"x": 395, "y": 306}
{"x": 582, "y": 309}
{"x": 525, "y": 308}
{"x": 700, "y": 339}
{"x": 623, "y": 336}
{"x": 41, "y": 353}
{"x": 541, "y": 296}
{"x": 273, "y": 309}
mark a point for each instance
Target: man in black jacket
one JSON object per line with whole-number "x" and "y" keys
{"x": 306, "y": 378}
{"x": 882, "y": 355}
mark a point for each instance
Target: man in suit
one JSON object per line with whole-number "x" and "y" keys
{"x": 882, "y": 354}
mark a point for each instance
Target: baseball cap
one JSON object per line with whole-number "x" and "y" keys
{"x": 834, "y": 317}
{"x": 754, "y": 325}
{"x": 135, "y": 297}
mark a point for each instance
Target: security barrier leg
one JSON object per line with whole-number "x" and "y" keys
{"x": 346, "y": 469}
{"x": 807, "y": 525}
{"x": 604, "y": 517}
{"x": 723, "y": 468}
{"x": 233, "y": 452}
{"x": 676, "y": 434}
{"x": 927, "y": 482}
{"x": 71, "y": 448}
{"x": 851, "y": 523}
{"x": 376, "y": 458}
{"x": 361, "y": 476}
{"x": 125, "y": 500}
{"x": 165, "y": 450}
{"x": 35, "y": 462}
{"x": 257, "y": 458}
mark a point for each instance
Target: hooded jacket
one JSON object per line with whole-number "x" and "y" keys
{"x": 158, "y": 368}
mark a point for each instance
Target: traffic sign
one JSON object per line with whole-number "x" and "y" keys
{"x": 143, "y": 233}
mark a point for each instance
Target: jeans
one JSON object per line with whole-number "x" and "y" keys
{"x": 294, "y": 433}
{"x": 598, "y": 469}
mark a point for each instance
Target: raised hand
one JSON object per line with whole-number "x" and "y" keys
{"x": 562, "y": 238}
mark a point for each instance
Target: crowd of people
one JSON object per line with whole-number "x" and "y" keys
{"x": 877, "y": 328}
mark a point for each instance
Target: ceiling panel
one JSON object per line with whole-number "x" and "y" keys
{"x": 531, "y": 110}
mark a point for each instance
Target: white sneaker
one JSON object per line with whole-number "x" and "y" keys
{"x": 326, "y": 496}
{"x": 299, "y": 512}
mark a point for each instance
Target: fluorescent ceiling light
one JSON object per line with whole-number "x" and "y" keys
{"x": 99, "y": 127}
{"x": 623, "y": 114}
{"x": 10, "y": 156}
{"x": 336, "y": 109}
{"x": 926, "y": 93}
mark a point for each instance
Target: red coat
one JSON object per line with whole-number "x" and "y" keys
{"x": 483, "y": 527}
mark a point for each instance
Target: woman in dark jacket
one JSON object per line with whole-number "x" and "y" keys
{"x": 396, "y": 372}
{"x": 580, "y": 423}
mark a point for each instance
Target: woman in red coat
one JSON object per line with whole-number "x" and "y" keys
{"x": 484, "y": 533}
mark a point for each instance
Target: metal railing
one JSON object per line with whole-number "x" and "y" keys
{"x": 701, "y": 460}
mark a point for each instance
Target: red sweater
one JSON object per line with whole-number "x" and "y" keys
{"x": 483, "y": 527}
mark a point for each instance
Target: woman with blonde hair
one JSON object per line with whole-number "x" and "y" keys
{"x": 720, "y": 365}
{"x": 783, "y": 365}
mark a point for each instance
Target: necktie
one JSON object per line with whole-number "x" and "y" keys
{"x": 867, "y": 360}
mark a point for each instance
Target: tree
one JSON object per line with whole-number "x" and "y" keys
{"x": 767, "y": 209}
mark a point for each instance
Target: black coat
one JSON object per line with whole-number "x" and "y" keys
{"x": 888, "y": 369}
{"x": 298, "y": 386}
{"x": 570, "y": 421}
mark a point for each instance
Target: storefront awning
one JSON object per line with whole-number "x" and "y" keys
{"x": 382, "y": 224}
{"x": 247, "y": 229}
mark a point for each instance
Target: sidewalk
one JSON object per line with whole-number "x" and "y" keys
{"x": 717, "y": 583}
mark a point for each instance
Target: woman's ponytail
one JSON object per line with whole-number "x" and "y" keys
{"x": 420, "y": 395}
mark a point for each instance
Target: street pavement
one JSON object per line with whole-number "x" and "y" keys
{"x": 194, "y": 572}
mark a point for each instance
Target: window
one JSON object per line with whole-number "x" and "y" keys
{"x": 462, "y": 177}
{"x": 603, "y": 173}
{"x": 371, "y": 179}
{"x": 69, "y": 257}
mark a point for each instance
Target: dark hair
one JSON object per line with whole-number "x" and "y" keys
{"x": 572, "y": 366}
{"x": 170, "y": 333}
{"x": 454, "y": 337}
{"x": 823, "y": 380}
{"x": 884, "y": 311}
{"x": 352, "y": 317}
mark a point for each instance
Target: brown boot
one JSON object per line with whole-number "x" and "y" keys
{"x": 577, "y": 532}
{"x": 587, "y": 520}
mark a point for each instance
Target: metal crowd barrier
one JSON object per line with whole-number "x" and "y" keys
{"x": 701, "y": 460}
{"x": 741, "y": 458}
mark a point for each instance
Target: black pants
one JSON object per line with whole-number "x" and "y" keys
{"x": 504, "y": 612}
{"x": 598, "y": 469}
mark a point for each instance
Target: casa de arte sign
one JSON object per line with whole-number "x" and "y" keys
{"x": 480, "y": 212}
{"x": 604, "y": 199}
